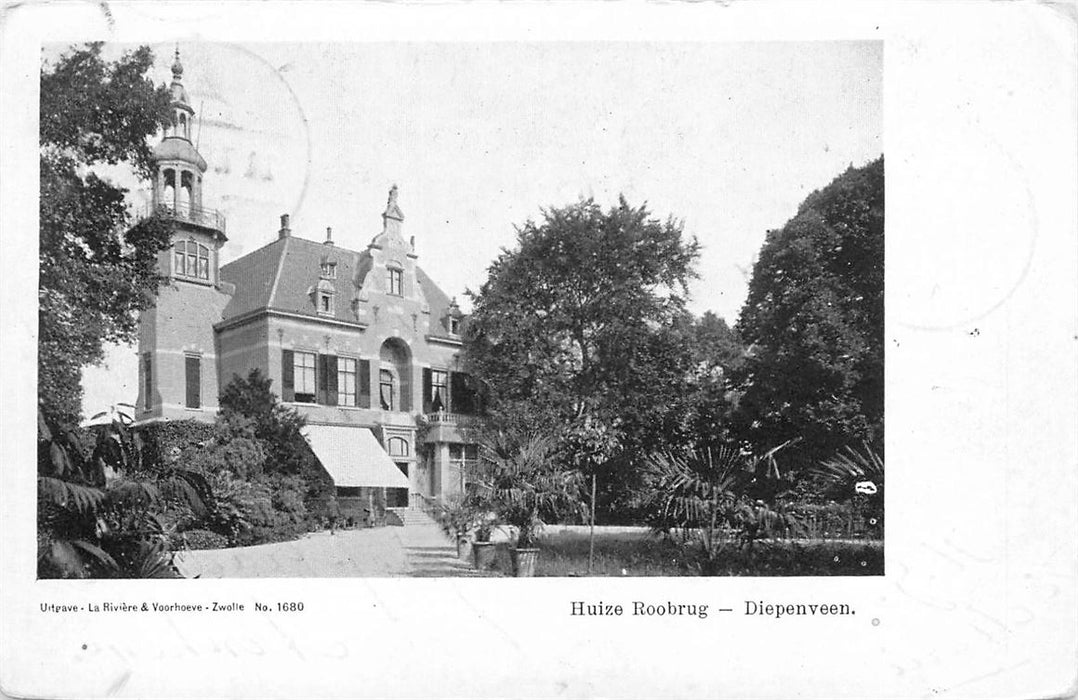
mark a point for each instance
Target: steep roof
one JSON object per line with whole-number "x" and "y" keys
{"x": 281, "y": 276}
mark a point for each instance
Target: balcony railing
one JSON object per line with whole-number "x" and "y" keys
{"x": 446, "y": 418}
{"x": 199, "y": 216}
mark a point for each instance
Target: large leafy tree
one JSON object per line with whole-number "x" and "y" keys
{"x": 584, "y": 320}
{"x": 96, "y": 270}
{"x": 577, "y": 318}
{"x": 813, "y": 321}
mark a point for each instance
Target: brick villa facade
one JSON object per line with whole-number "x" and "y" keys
{"x": 363, "y": 343}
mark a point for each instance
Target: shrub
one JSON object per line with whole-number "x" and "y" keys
{"x": 204, "y": 539}
{"x": 163, "y": 441}
{"x": 242, "y": 456}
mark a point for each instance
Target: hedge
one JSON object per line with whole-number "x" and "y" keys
{"x": 159, "y": 439}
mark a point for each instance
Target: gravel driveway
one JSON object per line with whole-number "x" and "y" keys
{"x": 417, "y": 549}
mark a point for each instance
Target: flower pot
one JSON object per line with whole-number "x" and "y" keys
{"x": 483, "y": 555}
{"x": 524, "y": 561}
{"x": 464, "y": 548}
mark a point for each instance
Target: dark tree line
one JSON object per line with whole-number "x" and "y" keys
{"x": 581, "y": 330}
{"x": 96, "y": 270}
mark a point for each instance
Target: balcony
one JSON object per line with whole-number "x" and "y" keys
{"x": 446, "y": 418}
{"x": 199, "y": 216}
{"x": 447, "y": 427}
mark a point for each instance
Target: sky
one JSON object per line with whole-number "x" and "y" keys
{"x": 727, "y": 138}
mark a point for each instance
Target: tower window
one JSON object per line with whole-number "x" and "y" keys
{"x": 193, "y": 380}
{"x": 396, "y": 282}
{"x": 191, "y": 259}
{"x": 147, "y": 376}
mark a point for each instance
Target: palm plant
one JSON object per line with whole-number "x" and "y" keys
{"x": 707, "y": 492}
{"x": 517, "y": 476}
{"x": 857, "y": 476}
{"x": 98, "y": 515}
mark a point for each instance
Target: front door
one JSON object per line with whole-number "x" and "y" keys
{"x": 397, "y": 497}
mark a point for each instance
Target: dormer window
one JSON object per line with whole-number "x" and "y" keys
{"x": 191, "y": 259}
{"x": 454, "y": 325}
{"x": 325, "y": 304}
{"x": 396, "y": 282}
{"x": 322, "y": 297}
{"x": 329, "y": 270}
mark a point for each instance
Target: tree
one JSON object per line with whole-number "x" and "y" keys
{"x": 250, "y": 404}
{"x": 813, "y": 321}
{"x": 96, "y": 271}
{"x": 718, "y": 353}
{"x": 585, "y": 317}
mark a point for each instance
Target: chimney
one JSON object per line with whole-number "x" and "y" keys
{"x": 329, "y": 235}
{"x": 285, "y": 232}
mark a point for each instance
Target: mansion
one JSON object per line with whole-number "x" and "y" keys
{"x": 362, "y": 343}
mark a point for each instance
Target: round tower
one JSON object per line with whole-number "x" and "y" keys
{"x": 177, "y": 358}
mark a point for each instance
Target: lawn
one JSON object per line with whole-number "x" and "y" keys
{"x": 634, "y": 552}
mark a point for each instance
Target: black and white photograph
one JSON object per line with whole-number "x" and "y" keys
{"x": 632, "y": 328}
{"x": 388, "y": 350}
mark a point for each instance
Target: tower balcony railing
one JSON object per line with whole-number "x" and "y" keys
{"x": 199, "y": 216}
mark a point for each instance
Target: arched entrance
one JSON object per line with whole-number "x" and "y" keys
{"x": 395, "y": 376}
{"x": 394, "y": 393}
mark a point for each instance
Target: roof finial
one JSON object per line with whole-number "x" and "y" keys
{"x": 393, "y": 210}
{"x": 177, "y": 67}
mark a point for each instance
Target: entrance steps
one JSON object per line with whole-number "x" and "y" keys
{"x": 408, "y": 516}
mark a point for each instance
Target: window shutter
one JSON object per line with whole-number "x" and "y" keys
{"x": 427, "y": 391}
{"x": 320, "y": 379}
{"x": 192, "y": 366}
{"x": 363, "y": 379}
{"x": 461, "y": 396}
{"x": 331, "y": 380}
{"x": 288, "y": 379}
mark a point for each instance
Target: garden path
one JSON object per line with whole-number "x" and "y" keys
{"x": 417, "y": 549}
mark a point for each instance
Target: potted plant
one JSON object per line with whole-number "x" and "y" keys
{"x": 523, "y": 482}
{"x": 457, "y": 518}
{"x": 483, "y": 549}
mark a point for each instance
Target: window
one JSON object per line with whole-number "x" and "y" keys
{"x": 346, "y": 381}
{"x": 304, "y": 376}
{"x": 396, "y": 282}
{"x": 147, "y": 377}
{"x": 193, "y": 378}
{"x": 325, "y": 303}
{"x": 398, "y": 447}
{"x": 385, "y": 390}
{"x": 190, "y": 259}
{"x": 439, "y": 385}
{"x": 463, "y": 460}
{"x": 454, "y": 325}
{"x": 329, "y": 270}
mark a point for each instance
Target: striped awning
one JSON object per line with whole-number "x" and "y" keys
{"x": 353, "y": 457}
